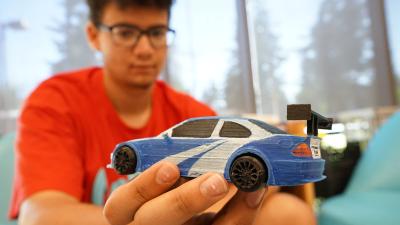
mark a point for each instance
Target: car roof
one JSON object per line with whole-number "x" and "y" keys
{"x": 229, "y": 118}
{"x": 259, "y": 123}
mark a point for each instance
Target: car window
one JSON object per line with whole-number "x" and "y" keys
{"x": 196, "y": 128}
{"x": 234, "y": 130}
{"x": 267, "y": 127}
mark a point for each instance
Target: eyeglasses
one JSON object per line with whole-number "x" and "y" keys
{"x": 129, "y": 35}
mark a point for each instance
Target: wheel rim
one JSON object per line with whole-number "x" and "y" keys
{"x": 248, "y": 173}
{"x": 124, "y": 160}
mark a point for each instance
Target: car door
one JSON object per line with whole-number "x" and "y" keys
{"x": 229, "y": 136}
{"x": 189, "y": 141}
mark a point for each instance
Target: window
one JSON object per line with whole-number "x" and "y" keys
{"x": 204, "y": 59}
{"x": 196, "y": 128}
{"x": 392, "y": 7}
{"x": 234, "y": 130}
{"x": 301, "y": 52}
{"x": 36, "y": 41}
{"x": 323, "y": 55}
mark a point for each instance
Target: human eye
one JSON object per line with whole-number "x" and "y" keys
{"x": 158, "y": 32}
{"x": 126, "y": 33}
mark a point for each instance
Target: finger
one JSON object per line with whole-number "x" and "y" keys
{"x": 221, "y": 203}
{"x": 123, "y": 203}
{"x": 242, "y": 209}
{"x": 179, "y": 205}
{"x": 202, "y": 219}
{"x": 181, "y": 181}
{"x": 284, "y": 208}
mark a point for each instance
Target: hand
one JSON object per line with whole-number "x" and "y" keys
{"x": 151, "y": 199}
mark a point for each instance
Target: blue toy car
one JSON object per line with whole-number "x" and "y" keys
{"x": 249, "y": 153}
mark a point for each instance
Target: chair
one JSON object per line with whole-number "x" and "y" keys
{"x": 6, "y": 176}
{"x": 306, "y": 192}
{"x": 373, "y": 193}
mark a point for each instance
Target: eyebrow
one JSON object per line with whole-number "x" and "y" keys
{"x": 128, "y": 25}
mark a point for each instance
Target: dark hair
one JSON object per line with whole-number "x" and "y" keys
{"x": 96, "y": 7}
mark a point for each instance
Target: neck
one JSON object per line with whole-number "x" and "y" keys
{"x": 132, "y": 103}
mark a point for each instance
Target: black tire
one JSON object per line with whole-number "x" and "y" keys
{"x": 248, "y": 173}
{"x": 124, "y": 160}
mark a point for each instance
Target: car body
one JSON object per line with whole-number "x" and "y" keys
{"x": 247, "y": 152}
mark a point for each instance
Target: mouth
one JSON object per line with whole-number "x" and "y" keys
{"x": 142, "y": 68}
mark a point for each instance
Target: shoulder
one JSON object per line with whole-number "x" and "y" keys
{"x": 59, "y": 87}
{"x": 184, "y": 103}
{"x": 58, "y": 97}
{"x": 73, "y": 79}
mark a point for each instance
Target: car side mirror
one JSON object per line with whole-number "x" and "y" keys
{"x": 166, "y": 137}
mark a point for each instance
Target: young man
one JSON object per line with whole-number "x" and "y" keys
{"x": 71, "y": 122}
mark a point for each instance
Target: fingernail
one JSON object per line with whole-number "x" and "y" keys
{"x": 166, "y": 174}
{"x": 254, "y": 199}
{"x": 214, "y": 185}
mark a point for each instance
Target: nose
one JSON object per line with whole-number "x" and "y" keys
{"x": 143, "y": 47}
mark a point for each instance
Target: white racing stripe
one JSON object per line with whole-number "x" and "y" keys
{"x": 216, "y": 159}
{"x": 179, "y": 157}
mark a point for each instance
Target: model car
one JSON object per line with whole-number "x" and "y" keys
{"x": 247, "y": 152}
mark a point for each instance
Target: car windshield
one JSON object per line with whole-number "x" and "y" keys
{"x": 267, "y": 127}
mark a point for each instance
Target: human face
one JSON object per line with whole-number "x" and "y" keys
{"x": 138, "y": 65}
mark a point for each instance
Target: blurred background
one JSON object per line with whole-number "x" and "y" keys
{"x": 248, "y": 57}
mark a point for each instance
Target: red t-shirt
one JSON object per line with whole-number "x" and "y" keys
{"x": 68, "y": 128}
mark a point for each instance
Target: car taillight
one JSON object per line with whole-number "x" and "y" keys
{"x": 302, "y": 150}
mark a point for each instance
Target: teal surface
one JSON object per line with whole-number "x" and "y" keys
{"x": 373, "y": 194}
{"x": 6, "y": 175}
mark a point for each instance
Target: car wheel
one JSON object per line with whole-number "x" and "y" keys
{"x": 248, "y": 173}
{"x": 124, "y": 160}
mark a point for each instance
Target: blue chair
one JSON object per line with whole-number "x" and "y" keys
{"x": 6, "y": 176}
{"x": 373, "y": 194}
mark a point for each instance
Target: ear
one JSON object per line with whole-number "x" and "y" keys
{"x": 92, "y": 35}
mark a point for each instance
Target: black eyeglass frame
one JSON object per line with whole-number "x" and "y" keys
{"x": 142, "y": 32}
